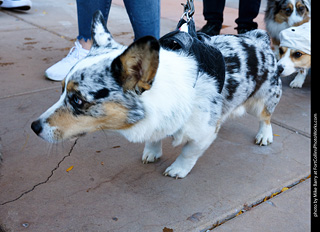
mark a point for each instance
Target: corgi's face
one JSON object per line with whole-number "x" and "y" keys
{"x": 291, "y": 11}
{"x": 292, "y": 59}
{"x": 102, "y": 90}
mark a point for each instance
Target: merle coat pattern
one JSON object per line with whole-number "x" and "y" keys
{"x": 146, "y": 93}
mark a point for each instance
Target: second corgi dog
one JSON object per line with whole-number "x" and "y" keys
{"x": 295, "y": 53}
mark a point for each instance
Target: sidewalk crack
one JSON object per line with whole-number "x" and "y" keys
{"x": 290, "y": 128}
{"x": 48, "y": 178}
{"x": 246, "y": 207}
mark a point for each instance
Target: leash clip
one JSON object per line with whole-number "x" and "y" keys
{"x": 188, "y": 10}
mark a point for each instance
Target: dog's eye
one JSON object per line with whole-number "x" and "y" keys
{"x": 297, "y": 54}
{"x": 301, "y": 8}
{"x": 77, "y": 101}
{"x": 288, "y": 11}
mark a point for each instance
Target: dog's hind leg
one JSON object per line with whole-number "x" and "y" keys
{"x": 263, "y": 109}
{"x": 265, "y": 135}
{"x": 191, "y": 152}
{"x": 152, "y": 151}
{"x": 257, "y": 107}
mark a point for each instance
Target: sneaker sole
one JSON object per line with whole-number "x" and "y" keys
{"x": 51, "y": 78}
{"x": 17, "y": 8}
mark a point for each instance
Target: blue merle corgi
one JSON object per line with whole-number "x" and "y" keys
{"x": 147, "y": 92}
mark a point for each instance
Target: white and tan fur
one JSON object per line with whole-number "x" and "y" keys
{"x": 146, "y": 93}
{"x": 292, "y": 61}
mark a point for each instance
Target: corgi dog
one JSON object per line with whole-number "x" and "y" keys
{"x": 294, "y": 61}
{"x": 295, "y": 53}
{"x": 148, "y": 92}
{"x": 282, "y": 14}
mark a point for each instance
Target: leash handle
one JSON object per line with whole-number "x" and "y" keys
{"x": 186, "y": 23}
{"x": 188, "y": 10}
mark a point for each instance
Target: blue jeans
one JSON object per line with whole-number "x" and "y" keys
{"x": 144, "y": 16}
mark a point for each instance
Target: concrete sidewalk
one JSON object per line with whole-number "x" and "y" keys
{"x": 109, "y": 189}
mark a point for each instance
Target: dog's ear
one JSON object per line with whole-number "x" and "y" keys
{"x": 136, "y": 67}
{"x": 308, "y": 5}
{"x": 99, "y": 32}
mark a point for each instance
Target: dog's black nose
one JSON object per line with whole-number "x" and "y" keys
{"x": 36, "y": 127}
{"x": 280, "y": 69}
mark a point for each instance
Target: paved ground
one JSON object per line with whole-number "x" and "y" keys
{"x": 109, "y": 189}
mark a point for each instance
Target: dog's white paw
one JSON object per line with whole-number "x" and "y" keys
{"x": 179, "y": 169}
{"x": 152, "y": 152}
{"x": 149, "y": 157}
{"x": 299, "y": 79}
{"x": 264, "y": 136}
{"x": 296, "y": 83}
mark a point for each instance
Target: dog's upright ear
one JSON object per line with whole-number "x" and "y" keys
{"x": 136, "y": 67}
{"x": 99, "y": 32}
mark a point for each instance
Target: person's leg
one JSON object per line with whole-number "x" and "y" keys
{"x": 85, "y": 11}
{"x": 248, "y": 11}
{"x": 213, "y": 14}
{"x": 144, "y": 16}
{"x": 213, "y": 10}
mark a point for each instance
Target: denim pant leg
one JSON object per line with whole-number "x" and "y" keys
{"x": 248, "y": 11}
{"x": 85, "y": 11}
{"x": 144, "y": 17}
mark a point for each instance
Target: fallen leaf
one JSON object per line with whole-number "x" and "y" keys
{"x": 240, "y": 212}
{"x": 69, "y": 169}
{"x": 284, "y": 189}
{"x": 273, "y": 194}
{"x": 276, "y": 135}
{"x": 165, "y": 229}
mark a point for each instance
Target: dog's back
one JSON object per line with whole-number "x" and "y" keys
{"x": 251, "y": 69}
{"x": 251, "y": 84}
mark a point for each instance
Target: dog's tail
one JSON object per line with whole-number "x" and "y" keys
{"x": 262, "y": 36}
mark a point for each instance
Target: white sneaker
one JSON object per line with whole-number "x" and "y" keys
{"x": 59, "y": 71}
{"x": 17, "y": 4}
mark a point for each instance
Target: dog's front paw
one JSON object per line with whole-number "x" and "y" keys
{"x": 264, "y": 136}
{"x": 179, "y": 169}
{"x": 151, "y": 152}
{"x": 150, "y": 157}
{"x": 296, "y": 83}
{"x": 299, "y": 79}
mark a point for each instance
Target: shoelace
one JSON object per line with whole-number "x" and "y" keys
{"x": 74, "y": 52}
